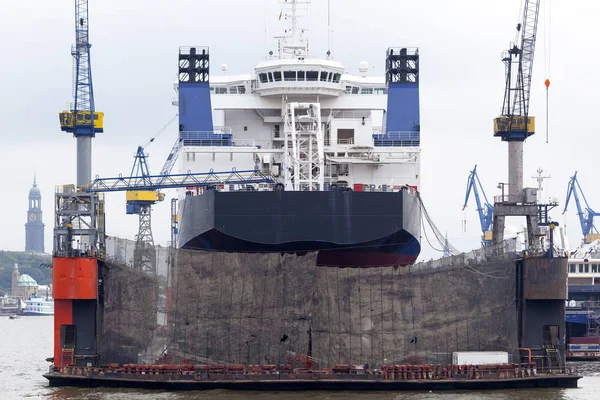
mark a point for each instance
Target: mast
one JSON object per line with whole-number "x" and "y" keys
{"x": 293, "y": 44}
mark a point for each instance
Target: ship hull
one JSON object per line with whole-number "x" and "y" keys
{"x": 346, "y": 228}
{"x": 349, "y": 383}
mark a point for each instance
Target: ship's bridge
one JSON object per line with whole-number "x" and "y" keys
{"x": 299, "y": 76}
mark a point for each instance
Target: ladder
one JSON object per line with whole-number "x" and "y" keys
{"x": 67, "y": 356}
{"x": 554, "y": 361}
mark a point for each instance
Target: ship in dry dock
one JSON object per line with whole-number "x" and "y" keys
{"x": 306, "y": 280}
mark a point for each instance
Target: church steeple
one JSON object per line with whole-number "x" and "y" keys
{"x": 34, "y": 228}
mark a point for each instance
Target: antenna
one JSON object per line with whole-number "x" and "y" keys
{"x": 329, "y": 27}
{"x": 540, "y": 179}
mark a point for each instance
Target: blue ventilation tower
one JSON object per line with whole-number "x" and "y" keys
{"x": 402, "y": 124}
{"x": 195, "y": 111}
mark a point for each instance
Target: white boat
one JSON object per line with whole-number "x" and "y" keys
{"x": 39, "y": 305}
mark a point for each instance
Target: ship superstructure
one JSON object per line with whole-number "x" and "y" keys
{"x": 315, "y": 128}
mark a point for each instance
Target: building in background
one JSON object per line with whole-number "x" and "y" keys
{"x": 34, "y": 228}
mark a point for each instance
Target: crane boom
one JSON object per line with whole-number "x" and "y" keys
{"x": 515, "y": 124}
{"x": 586, "y": 215}
{"x": 82, "y": 119}
{"x": 486, "y": 211}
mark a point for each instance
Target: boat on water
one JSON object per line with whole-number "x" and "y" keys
{"x": 38, "y": 305}
{"x": 583, "y": 305}
{"x": 342, "y": 149}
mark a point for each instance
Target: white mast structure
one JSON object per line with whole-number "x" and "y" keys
{"x": 303, "y": 134}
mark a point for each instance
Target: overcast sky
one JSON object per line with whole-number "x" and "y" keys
{"x": 134, "y": 55}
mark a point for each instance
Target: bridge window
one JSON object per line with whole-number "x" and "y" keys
{"x": 312, "y": 75}
{"x": 262, "y": 77}
{"x": 323, "y": 76}
{"x": 233, "y": 90}
{"x": 270, "y": 77}
{"x": 355, "y": 90}
{"x": 336, "y": 78}
{"x": 300, "y": 75}
{"x": 594, "y": 268}
{"x": 277, "y": 76}
{"x": 289, "y": 75}
{"x": 572, "y": 268}
{"x": 366, "y": 91}
{"x": 221, "y": 90}
{"x": 587, "y": 268}
{"x": 581, "y": 268}
{"x": 241, "y": 89}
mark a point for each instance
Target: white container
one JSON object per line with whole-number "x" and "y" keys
{"x": 479, "y": 357}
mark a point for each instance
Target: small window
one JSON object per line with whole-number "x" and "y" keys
{"x": 221, "y": 90}
{"x": 348, "y": 89}
{"x": 233, "y": 90}
{"x": 594, "y": 268}
{"x": 366, "y": 91}
{"x": 79, "y": 117}
{"x": 212, "y": 89}
{"x": 262, "y": 77}
{"x": 289, "y": 75}
{"x": 572, "y": 268}
{"x": 270, "y": 77}
{"x": 245, "y": 129}
{"x": 241, "y": 89}
{"x": 277, "y": 76}
{"x": 300, "y": 75}
{"x": 379, "y": 90}
{"x": 323, "y": 76}
{"x": 312, "y": 75}
{"x": 355, "y": 90}
{"x": 336, "y": 78}
{"x": 581, "y": 268}
{"x": 587, "y": 268}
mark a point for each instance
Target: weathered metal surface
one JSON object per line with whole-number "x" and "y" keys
{"x": 545, "y": 278}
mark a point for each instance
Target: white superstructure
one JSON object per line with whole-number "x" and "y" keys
{"x": 39, "y": 305}
{"x": 267, "y": 114}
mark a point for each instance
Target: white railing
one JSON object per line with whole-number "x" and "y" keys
{"x": 351, "y": 114}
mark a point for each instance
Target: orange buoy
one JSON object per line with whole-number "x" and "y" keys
{"x": 547, "y": 83}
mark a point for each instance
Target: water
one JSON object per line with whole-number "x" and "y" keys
{"x": 25, "y": 343}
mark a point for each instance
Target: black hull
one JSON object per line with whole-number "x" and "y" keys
{"x": 345, "y": 384}
{"x": 355, "y": 229}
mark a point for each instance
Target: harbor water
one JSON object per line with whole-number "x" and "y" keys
{"x": 26, "y": 343}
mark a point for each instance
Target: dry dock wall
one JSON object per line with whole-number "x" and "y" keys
{"x": 260, "y": 308}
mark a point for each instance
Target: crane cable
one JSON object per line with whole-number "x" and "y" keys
{"x": 160, "y": 131}
{"x": 547, "y": 30}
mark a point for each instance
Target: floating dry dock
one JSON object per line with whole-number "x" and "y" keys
{"x": 341, "y": 377}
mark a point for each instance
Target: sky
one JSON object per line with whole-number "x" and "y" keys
{"x": 134, "y": 53}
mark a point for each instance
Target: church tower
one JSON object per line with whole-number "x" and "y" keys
{"x": 15, "y": 280}
{"x": 34, "y": 228}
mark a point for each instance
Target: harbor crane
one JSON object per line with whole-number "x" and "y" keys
{"x": 143, "y": 190}
{"x": 586, "y": 216}
{"x": 515, "y": 125}
{"x": 82, "y": 119}
{"x": 485, "y": 210}
{"x": 140, "y": 202}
